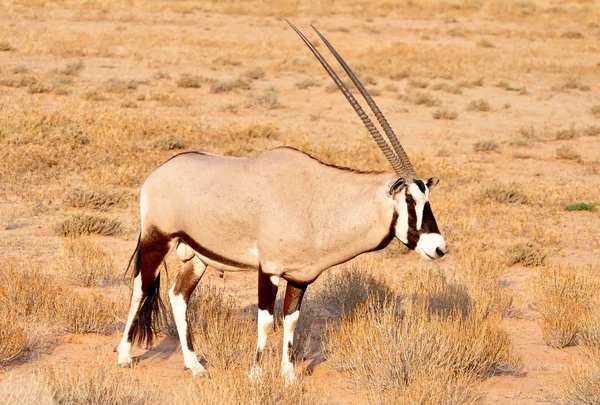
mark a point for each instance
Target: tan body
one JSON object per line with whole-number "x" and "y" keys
{"x": 274, "y": 211}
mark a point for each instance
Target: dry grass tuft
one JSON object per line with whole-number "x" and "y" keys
{"x": 5, "y": 47}
{"x": 269, "y": 99}
{"x": 565, "y": 134}
{"x": 479, "y": 105}
{"x": 255, "y": 74}
{"x": 572, "y": 35}
{"x": 592, "y": 130}
{"x": 84, "y": 224}
{"x": 71, "y": 69}
{"x": 563, "y": 297}
{"x": 567, "y": 153}
{"x": 484, "y": 43}
{"x": 168, "y": 142}
{"x": 394, "y": 348}
{"x": 306, "y": 83}
{"x": 444, "y": 114}
{"x": 188, "y": 81}
{"x": 96, "y": 199}
{"x": 418, "y": 84}
{"x": 571, "y": 83}
{"x": 486, "y": 146}
{"x": 13, "y": 336}
{"x": 227, "y": 86}
{"x": 448, "y": 88}
{"x": 342, "y": 290}
{"x": 99, "y": 382}
{"x": 595, "y": 110}
{"x": 119, "y": 86}
{"x": 84, "y": 313}
{"x": 421, "y": 98}
{"x": 511, "y": 193}
{"x": 84, "y": 264}
{"x": 580, "y": 384}
{"x": 589, "y": 329}
{"x": 528, "y": 254}
{"x": 26, "y": 391}
{"x": 261, "y": 130}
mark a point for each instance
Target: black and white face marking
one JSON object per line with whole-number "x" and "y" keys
{"x": 416, "y": 226}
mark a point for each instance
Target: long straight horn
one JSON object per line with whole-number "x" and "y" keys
{"x": 409, "y": 169}
{"x": 383, "y": 145}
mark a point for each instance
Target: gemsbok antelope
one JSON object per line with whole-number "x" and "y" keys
{"x": 281, "y": 213}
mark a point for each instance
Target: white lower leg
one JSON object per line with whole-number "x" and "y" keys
{"x": 289, "y": 325}
{"x": 124, "y": 348}
{"x": 265, "y": 324}
{"x": 190, "y": 360}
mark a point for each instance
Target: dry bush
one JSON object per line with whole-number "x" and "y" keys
{"x": 571, "y": 83}
{"x": 235, "y": 388}
{"x": 13, "y": 336}
{"x": 168, "y": 142}
{"x": 71, "y": 69}
{"x": 188, "y": 81}
{"x": 572, "y": 35}
{"x": 21, "y": 81}
{"x": 100, "y": 200}
{"x": 84, "y": 264}
{"x": 342, "y": 290}
{"x": 20, "y": 70}
{"x": 100, "y": 383}
{"x": 261, "y": 130}
{"x": 589, "y": 329}
{"x": 26, "y": 391}
{"x": 595, "y": 110}
{"x": 389, "y": 348}
{"x": 269, "y": 99}
{"x": 255, "y": 74}
{"x": 579, "y": 385}
{"x": 564, "y": 134}
{"x": 511, "y": 193}
{"x": 227, "y": 86}
{"x": 421, "y": 98}
{"x": 484, "y": 43}
{"x": 478, "y": 105}
{"x": 84, "y": 224}
{"x": 93, "y": 95}
{"x": 399, "y": 75}
{"x": 306, "y": 83}
{"x": 448, "y": 88}
{"x": 486, "y": 146}
{"x": 84, "y": 313}
{"x": 444, "y": 114}
{"x": 528, "y": 254}
{"x": 567, "y": 153}
{"x": 592, "y": 130}
{"x": 563, "y": 297}
{"x": 417, "y": 83}
{"x": 221, "y": 333}
{"x": 119, "y": 86}
{"x": 5, "y": 47}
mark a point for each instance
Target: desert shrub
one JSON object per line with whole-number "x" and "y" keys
{"x": 484, "y": 43}
{"x": 448, "y": 88}
{"x": 227, "y": 86}
{"x": 168, "y": 142}
{"x": 564, "y": 134}
{"x": 572, "y": 35}
{"x": 511, "y": 193}
{"x": 528, "y": 254}
{"x": 563, "y": 297}
{"x": 478, "y": 105}
{"x": 188, "y": 81}
{"x": 93, "y": 95}
{"x": 99, "y": 383}
{"x": 421, "y": 98}
{"x": 221, "y": 333}
{"x": 391, "y": 348}
{"x": 571, "y": 83}
{"x": 399, "y": 75}
{"x": 417, "y": 83}
{"x": 71, "y": 69}
{"x": 595, "y": 110}
{"x": 589, "y": 329}
{"x": 26, "y": 391}
{"x": 342, "y": 290}
{"x": 592, "y": 130}
{"x": 84, "y": 224}
{"x": 84, "y": 264}
{"x": 119, "y": 86}
{"x": 20, "y": 70}
{"x": 444, "y": 114}
{"x": 95, "y": 199}
{"x": 579, "y": 384}
{"x": 579, "y": 207}
{"x": 261, "y": 130}
{"x": 13, "y": 336}
{"x": 255, "y": 74}
{"x": 306, "y": 83}
{"x": 486, "y": 146}
{"x": 269, "y": 99}
{"x": 5, "y": 46}
{"x": 567, "y": 153}
{"x": 84, "y": 313}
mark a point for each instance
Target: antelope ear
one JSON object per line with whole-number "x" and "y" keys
{"x": 397, "y": 186}
{"x": 432, "y": 182}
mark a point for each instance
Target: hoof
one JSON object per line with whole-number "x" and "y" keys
{"x": 116, "y": 348}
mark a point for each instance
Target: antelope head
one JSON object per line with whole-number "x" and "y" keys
{"x": 416, "y": 226}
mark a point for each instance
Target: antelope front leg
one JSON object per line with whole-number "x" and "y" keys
{"x": 291, "y": 312}
{"x": 267, "y": 292}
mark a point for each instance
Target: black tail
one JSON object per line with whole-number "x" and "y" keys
{"x": 150, "y": 318}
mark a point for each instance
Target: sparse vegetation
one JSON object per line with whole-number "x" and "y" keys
{"x": 572, "y": 35}
{"x": 306, "y": 83}
{"x": 269, "y": 99}
{"x": 565, "y": 134}
{"x": 479, "y": 105}
{"x": 579, "y": 385}
{"x": 226, "y": 86}
{"x": 168, "y": 142}
{"x": 511, "y": 193}
{"x": 96, "y": 199}
{"x": 85, "y": 224}
{"x": 188, "y": 81}
{"x": 571, "y": 83}
{"x": 421, "y": 98}
{"x": 595, "y": 110}
{"x": 446, "y": 87}
{"x": 486, "y": 146}
{"x": 528, "y": 254}
{"x": 444, "y": 114}
{"x": 484, "y": 43}
{"x": 567, "y": 153}
{"x": 84, "y": 264}
{"x": 579, "y": 207}
{"x": 592, "y": 130}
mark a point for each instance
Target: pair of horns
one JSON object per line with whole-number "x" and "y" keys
{"x": 398, "y": 159}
